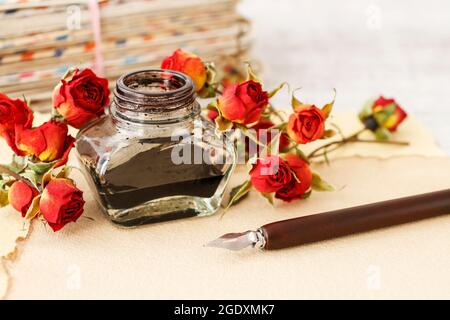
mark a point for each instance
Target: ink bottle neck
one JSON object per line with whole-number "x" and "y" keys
{"x": 154, "y": 97}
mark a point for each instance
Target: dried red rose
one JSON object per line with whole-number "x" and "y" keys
{"x": 243, "y": 103}
{"x": 61, "y": 202}
{"x": 81, "y": 97}
{"x": 300, "y": 184}
{"x": 187, "y": 63}
{"x": 21, "y": 195}
{"x": 306, "y": 124}
{"x": 394, "y": 120}
{"x": 48, "y": 142}
{"x": 270, "y": 174}
{"x": 12, "y": 113}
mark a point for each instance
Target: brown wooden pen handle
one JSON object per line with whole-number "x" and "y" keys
{"x": 348, "y": 221}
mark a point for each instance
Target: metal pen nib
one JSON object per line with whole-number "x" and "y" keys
{"x": 239, "y": 241}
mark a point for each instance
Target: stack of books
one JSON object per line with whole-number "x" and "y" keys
{"x": 40, "y": 40}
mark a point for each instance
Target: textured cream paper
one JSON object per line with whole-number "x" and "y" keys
{"x": 81, "y": 260}
{"x": 97, "y": 260}
{"x": 13, "y": 228}
{"x": 3, "y": 280}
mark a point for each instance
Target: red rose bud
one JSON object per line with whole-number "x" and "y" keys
{"x": 61, "y": 202}
{"x": 187, "y": 63}
{"x": 12, "y": 113}
{"x": 270, "y": 174}
{"x": 243, "y": 103}
{"x": 300, "y": 184}
{"x": 21, "y": 195}
{"x": 306, "y": 124}
{"x": 48, "y": 143}
{"x": 81, "y": 97}
{"x": 395, "y": 119}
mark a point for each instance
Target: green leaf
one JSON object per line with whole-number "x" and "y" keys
{"x": 383, "y": 115}
{"x": 329, "y": 106}
{"x": 366, "y": 110}
{"x": 70, "y": 73}
{"x": 211, "y": 72}
{"x": 306, "y": 195}
{"x": 250, "y": 163}
{"x": 328, "y": 134}
{"x": 275, "y": 91}
{"x": 27, "y": 102}
{"x": 6, "y": 183}
{"x": 33, "y": 210}
{"x": 3, "y": 198}
{"x": 33, "y": 177}
{"x": 268, "y": 196}
{"x": 389, "y": 110}
{"x": 208, "y": 91}
{"x": 41, "y": 167}
{"x": 295, "y": 102}
{"x": 64, "y": 172}
{"x": 325, "y": 156}
{"x": 18, "y": 164}
{"x": 318, "y": 184}
{"x": 382, "y": 134}
{"x": 238, "y": 193}
{"x": 46, "y": 178}
{"x": 212, "y": 106}
{"x": 251, "y": 75}
{"x": 266, "y": 114}
{"x": 223, "y": 124}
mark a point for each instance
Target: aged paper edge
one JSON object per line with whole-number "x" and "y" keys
{"x": 11, "y": 256}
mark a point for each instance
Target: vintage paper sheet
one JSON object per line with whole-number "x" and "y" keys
{"x": 94, "y": 259}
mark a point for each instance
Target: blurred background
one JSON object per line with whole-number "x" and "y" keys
{"x": 362, "y": 48}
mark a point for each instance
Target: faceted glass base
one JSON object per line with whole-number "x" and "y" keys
{"x": 169, "y": 208}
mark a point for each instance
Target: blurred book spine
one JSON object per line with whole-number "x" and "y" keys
{"x": 39, "y": 40}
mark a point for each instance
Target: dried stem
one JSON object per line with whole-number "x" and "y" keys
{"x": 276, "y": 113}
{"x": 9, "y": 172}
{"x": 16, "y": 176}
{"x": 352, "y": 139}
{"x": 313, "y": 154}
{"x": 398, "y": 143}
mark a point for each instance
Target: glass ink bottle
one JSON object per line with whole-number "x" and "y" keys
{"x": 153, "y": 157}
